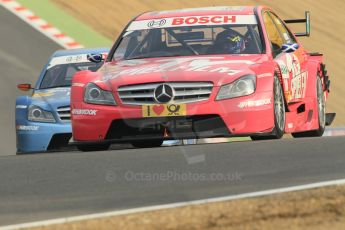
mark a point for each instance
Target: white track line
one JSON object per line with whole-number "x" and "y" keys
{"x": 39, "y": 24}
{"x": 173, "y": 205}
{"x": 334, "y": 131}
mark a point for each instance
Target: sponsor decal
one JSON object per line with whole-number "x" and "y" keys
{"x": 156, "y": 23}
{"x": 289, "y": 47}
{"x": 291, "y": 69}
{"x": 89, "y": 112}
{"x": 164, "y": 110}
{"x": 299, "y": 85}
{"x": 80, "y": 58}
{"x": 192, "y": 21}
{"x": 293, "y": 65}
{"x": 224, "y": 19}
{"x": 21, "y": 106}
{"x": 27, "y": 127}
{"x": 299, "y": 80}
{"x": 210, "y": 65}
{"x": 256, "y": 103}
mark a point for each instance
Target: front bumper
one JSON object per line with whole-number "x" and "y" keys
{"x": 241, "y": 116}
{"x": 41, "y": 137}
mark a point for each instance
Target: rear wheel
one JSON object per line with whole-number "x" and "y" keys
{"x": 321, "y": 109}
{"x": 93, "y": 147}
{"x": 279, "y": 113}
{"x": 147, "y": 143}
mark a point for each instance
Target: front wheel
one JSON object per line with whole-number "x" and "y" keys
{"x": 279, "y": 114}
{"x": 147, "y": 143}
{"x": 93, "y": 147}
{"x": 321, "y": 109}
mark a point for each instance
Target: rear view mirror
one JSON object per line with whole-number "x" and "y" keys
{"x": 290, "y": 47}
{"x": 96, "y": 58}
{"x": 24, "y": 87}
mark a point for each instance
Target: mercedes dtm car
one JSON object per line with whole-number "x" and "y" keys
{"x": 195, "y": 73}
{"x": 43, "y": 119}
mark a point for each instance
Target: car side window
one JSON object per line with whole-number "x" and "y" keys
{"x": 273, "y": 34}
{"x": 283, "y": 30}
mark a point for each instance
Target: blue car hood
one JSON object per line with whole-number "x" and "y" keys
{"x": 50, "y": 99}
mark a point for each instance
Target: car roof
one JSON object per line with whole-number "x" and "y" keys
{"x": 60, "y": 53}
{"x": 217, "y": 10}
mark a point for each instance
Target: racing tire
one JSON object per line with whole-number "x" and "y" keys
{"x": 93, "y": 147}
{"x": 279, "y": 114}
{"x": 321, "y": 110}
{"x": 147, "y": 143}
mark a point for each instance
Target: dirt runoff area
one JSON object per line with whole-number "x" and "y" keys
{"x": 322, "y": 208}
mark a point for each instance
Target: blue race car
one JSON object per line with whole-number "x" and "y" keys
{"x": 43, "y": 119}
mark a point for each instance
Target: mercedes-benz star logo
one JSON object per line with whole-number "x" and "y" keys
{"x": 163, "y": 93}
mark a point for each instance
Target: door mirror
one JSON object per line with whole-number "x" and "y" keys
{"x": 24, "y": 87}
{"x": 96, "y": 58}
{"x": 290, "y": 47}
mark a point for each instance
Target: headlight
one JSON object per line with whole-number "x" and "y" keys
{"x": 35, "y": 113}
{"x": 95, "y": 95}
{"x": 241, "y": 87}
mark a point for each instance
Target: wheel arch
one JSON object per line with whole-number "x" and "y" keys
{"x": 315, "y": 69}
{"x": 22, "y": 104}
{"x": 278, "y": 73}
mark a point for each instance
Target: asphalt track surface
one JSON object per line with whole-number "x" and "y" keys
{"x": 44, "y": 186}
{"x": 23, "y": 53}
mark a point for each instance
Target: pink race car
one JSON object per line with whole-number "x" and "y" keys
{"x": 196, "y": 73}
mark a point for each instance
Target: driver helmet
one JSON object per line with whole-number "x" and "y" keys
{"x": 229, "y": 41}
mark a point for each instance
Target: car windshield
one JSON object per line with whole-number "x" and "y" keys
{"x": 61, "y": 75}
{"x": 141, "y": 42}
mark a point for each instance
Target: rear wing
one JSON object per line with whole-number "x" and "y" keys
{"x": 305, "y": 20}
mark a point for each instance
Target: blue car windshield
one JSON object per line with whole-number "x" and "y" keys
{"x": 61, "y": 75}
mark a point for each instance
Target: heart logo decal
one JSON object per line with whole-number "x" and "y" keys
{"x": 158, "y": 109}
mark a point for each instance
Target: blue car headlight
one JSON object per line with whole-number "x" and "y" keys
{"x": 241, "y": 87}
{"x": 38, "y": 114}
